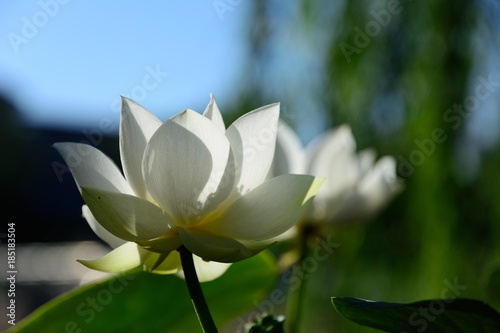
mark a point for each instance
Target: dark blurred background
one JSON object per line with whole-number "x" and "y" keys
{"x": 416, "y": 80}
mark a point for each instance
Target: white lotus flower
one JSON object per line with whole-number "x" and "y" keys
{"x": 190, "y": 182}
{"x": 356, "y": 187}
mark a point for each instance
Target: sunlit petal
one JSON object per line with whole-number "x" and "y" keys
{"x": 123, "y": 258}
{"x": 212, "y": 112}
{"x": 253, "y": 141}
{"x": 333, "y": 156}
{"x": 289, "y": 156}
{"x": 268, "y": 210}
{"x": 207, "y": 270}
{"x": 184, "y": 164}
{"x": 137, "y": 125}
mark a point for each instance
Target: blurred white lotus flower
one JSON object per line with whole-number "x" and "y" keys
{"x": 190, "y": 182}
{"x": 356, "y": 187}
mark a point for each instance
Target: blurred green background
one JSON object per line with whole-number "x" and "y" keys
{"x": 405, "y": 76}
{"x": 416, "y": 80}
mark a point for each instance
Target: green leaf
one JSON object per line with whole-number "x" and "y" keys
{"x": 432, "y": 316}
{"x": 145, "y": 302}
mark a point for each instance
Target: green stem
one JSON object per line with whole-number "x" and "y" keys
{"x": 296, "y": 296}
{"x": 200, "y": 305}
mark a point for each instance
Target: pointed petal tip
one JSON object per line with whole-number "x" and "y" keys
{"x": 123, "y": 258}
{"x": 60, "y": 145}
{"x": 126, "y": 99}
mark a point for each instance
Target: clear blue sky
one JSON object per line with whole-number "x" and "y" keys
{"x": 67, "y": 62}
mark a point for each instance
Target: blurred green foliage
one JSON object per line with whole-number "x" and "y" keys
{"x": 139, "y": 301}
{"x": 398, "y": 73}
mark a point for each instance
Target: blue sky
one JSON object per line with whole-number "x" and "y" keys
{"x": 65, "y": 63}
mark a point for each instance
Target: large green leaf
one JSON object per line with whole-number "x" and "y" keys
{"x": 432, "y": 316}
{"x": 144, "y": 302}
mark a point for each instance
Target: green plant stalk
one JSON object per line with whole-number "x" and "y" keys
{"x": 200, "y": 305}
{"x": 296, "y": 296}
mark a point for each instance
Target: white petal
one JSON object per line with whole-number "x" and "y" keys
{"x": 212, "y": 247}
{"x": 269, "y": 210}
{"x": 126, "y": 216}
{"x": 161, "y": 263}
{"x": 366, "y": 160}
{"x": 291, "y": 233}
{"x": 380, "y": 184}
{"x": 323, "y": 151}
{"x": 207, "y": 270}
{"x": 374, "y": 191}
{"x": 212, "y": 112}
{"x": 119, "y": 260}
{"x": 185, "y": 164}
{"x": 137, "y": 125}
{"x": 91, "y": 168}
{"x": 289, "y": 156}
{"x": 333, "y": 157}
{"x": 253, "y": 141}
{"x": 99, "y": 230}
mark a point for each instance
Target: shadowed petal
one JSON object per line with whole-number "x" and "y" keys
{"x": 126, "y": 216}
{"x": 212, "y": 247}
{"x": 162, "y": 263}
{"x": 91, "y": 168}
{"x": 99, "y": 230}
